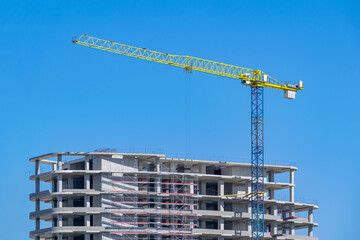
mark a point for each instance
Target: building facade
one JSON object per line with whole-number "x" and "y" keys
{"x": 104, "y": 195}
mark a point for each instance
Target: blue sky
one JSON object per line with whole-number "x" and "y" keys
{"x": 57, "y": 96}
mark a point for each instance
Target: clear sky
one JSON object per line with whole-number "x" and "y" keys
{"x": 57, "y": 96}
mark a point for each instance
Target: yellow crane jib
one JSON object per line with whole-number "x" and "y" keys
{"x": 249, "y": 77}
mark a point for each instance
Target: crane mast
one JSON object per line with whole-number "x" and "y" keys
{"x": 256, "y": 79}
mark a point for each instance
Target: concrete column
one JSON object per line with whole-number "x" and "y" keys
{"x": 60, "y": 236}
{"x": 310, "y": 215}
{"x": 292, "y": 211}
{"x": 70, "y": 182}
{"x": 37, "y": 167}
{"x": 203, "y": 206}
{"x": 59, "y": 162}
{"x": 274, "y": 228}
{"x": 87, "y": 181}
{"x": 158, "y": 184}
{"x": 192, "y": 221}
{"x": 249, "y": 226}
{"x": 274, "y": 210}
{"x": 192, "y": 186}
{"x": 271, "y": 191}
{"x": 53, "y": 167}
{"x": 221, "y": 224}
{"x": 249, "y": 208}
{"x": 203, "y": 224}
{"x": 158, "y": 222}
{"x": 87, "y": 236}
{"x": 60, "y": 182}
{"x": 71, "y": 221}
{"x": 292, "y": 188}
{"x": 221, "y": 205}
{"x": 37, "y": 172}
{"x": 87, "y": 201}
{"x": 87, "y": 165}
{"x": 60, "y": 201}
{"x": 60, "y": 221}
{"x": 87, "y": 220}
{"x": 203, "y": 187}
{"x": 292, "y": 228}
{"x": 202, "y": 169}
{"x": 221, "y": 187}
{"x": 172, "y": 167}
{"x": 310, "y": 231}
{"x": 158, "y": 165}
{"x": 136, "y": 163}
{"x": 248, "y": 190}
{"x": 37, "y": 189}
{"x": 192, "y": 191}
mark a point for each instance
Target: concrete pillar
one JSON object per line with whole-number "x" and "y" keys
{"x": 192, "y": 222}
{"x": 271, "y": 179}
{"x": 60, "y": 182}
{"x": 158, "y": 222}
{"x": 310, "y": 231}
{"x": 60, "y": 221}
{"x": 37, "y": 189}
{"x": 70, "y": 182}
{"x": 87, "y": 236}
{"x": 248, "y": 190}
{"x": 221, "y": 206}
{"x": 71, "y": 220}
{"x": 274, "y": 228}
{"x": 292, "y": 188}
{"x": 37, "y": 172}
{"x": 87, "y": 165}
{"x": 172, "y": 167}
{"x": 136, "y": 163}
{"x": 53, "y": 167}
{"x": 192, "y": 186}
{"x": 158, "y": 184}
{"x": 221, "y": 224}
{"x": 60, "y": 236}
{"x": 203, "y": 187}
{"x": 202, "y": 169}
{"x": 37, "y": 167}
{"x": 60, "y": 201}
{"x": 310, "y": 215}
{"x": 158, "y": 165}
{"x": 292, "y": 211}
{"x": 292, "y": 228}
{"x": 221, "y": 187}
{"x": 87, "y": 181}
{"x": 249, "y": 226}
{"x": 203, "y": 224}
{"x": 59, "y": 162}
{"x": 87, "y": 220}
{"x": 87, "y": 201}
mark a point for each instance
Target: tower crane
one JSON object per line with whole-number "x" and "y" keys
{"x": 255, "y": 79}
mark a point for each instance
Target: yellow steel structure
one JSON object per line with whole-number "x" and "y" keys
{"x": 250, "y": 77}
{"x": 256, "y": 79}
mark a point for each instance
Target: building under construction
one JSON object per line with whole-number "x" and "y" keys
{"x": 108, "y": 195}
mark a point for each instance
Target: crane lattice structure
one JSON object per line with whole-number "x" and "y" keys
{"x": 255, "y": 79}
